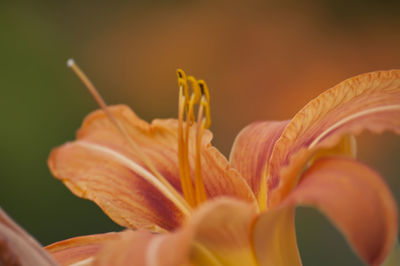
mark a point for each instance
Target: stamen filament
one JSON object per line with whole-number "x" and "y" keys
{"x": 184, "y": 171}
{"x": 201, "y": 194}
{"x": 81, "y": 75}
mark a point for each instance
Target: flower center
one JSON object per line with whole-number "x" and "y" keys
{"x": 195, "y": 193}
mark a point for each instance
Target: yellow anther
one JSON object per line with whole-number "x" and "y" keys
{"x": 182, "y": 83}
{"x": 196, "y": 91}
{"x": 194, "y": 98}
{"x": 205, "y": 102}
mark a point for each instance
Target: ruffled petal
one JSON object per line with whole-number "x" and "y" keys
{"x": 355, "y": 199}
{"x": 252, "y": 149}
{"x": 101, "y": 166}
{"x": 370, "y": 101}
{"x": 80, "y": 249}
{"x": 17, "y": 247}
{"x": 218, "y": 233}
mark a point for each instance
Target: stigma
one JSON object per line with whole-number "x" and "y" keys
{"x": 193, "y": 188}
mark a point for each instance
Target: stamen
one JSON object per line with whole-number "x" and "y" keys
{"x": 81, "y": 75}
{"x": 182, "y": 82}
{"x": 201, "y": 195}
{"x": 184, "y": 169}
{"x": 205, "y": 102}
{"x": 202, "y": 123}
{"x": 194, "y": 99}
{"x": 200, "y": 95}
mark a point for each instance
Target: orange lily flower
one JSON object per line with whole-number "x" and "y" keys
{"x": 166, "y": 177}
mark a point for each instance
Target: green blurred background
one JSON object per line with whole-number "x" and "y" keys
{"x": 263, "y": 60}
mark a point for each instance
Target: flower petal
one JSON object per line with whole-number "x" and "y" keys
{"x": 222, "y": 229}
{"x": 356, "y": 200}
{"x": 144, "y": 248}
{"x": 218, "y": 233}
{"x": 222, "y": 180}
{"x": 79, "y": 249}
{"x": 128, "y": 250}
{"x": 369, "y": 101}
{"x": 17, "y": 247}
{"x": 252, "y": 149}
{"x": 350, "y": 194}
{"x": 101, "y": 166}
{"x": 274, "y": 238}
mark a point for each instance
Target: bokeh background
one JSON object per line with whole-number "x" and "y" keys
{"x": 263, "y": 60}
